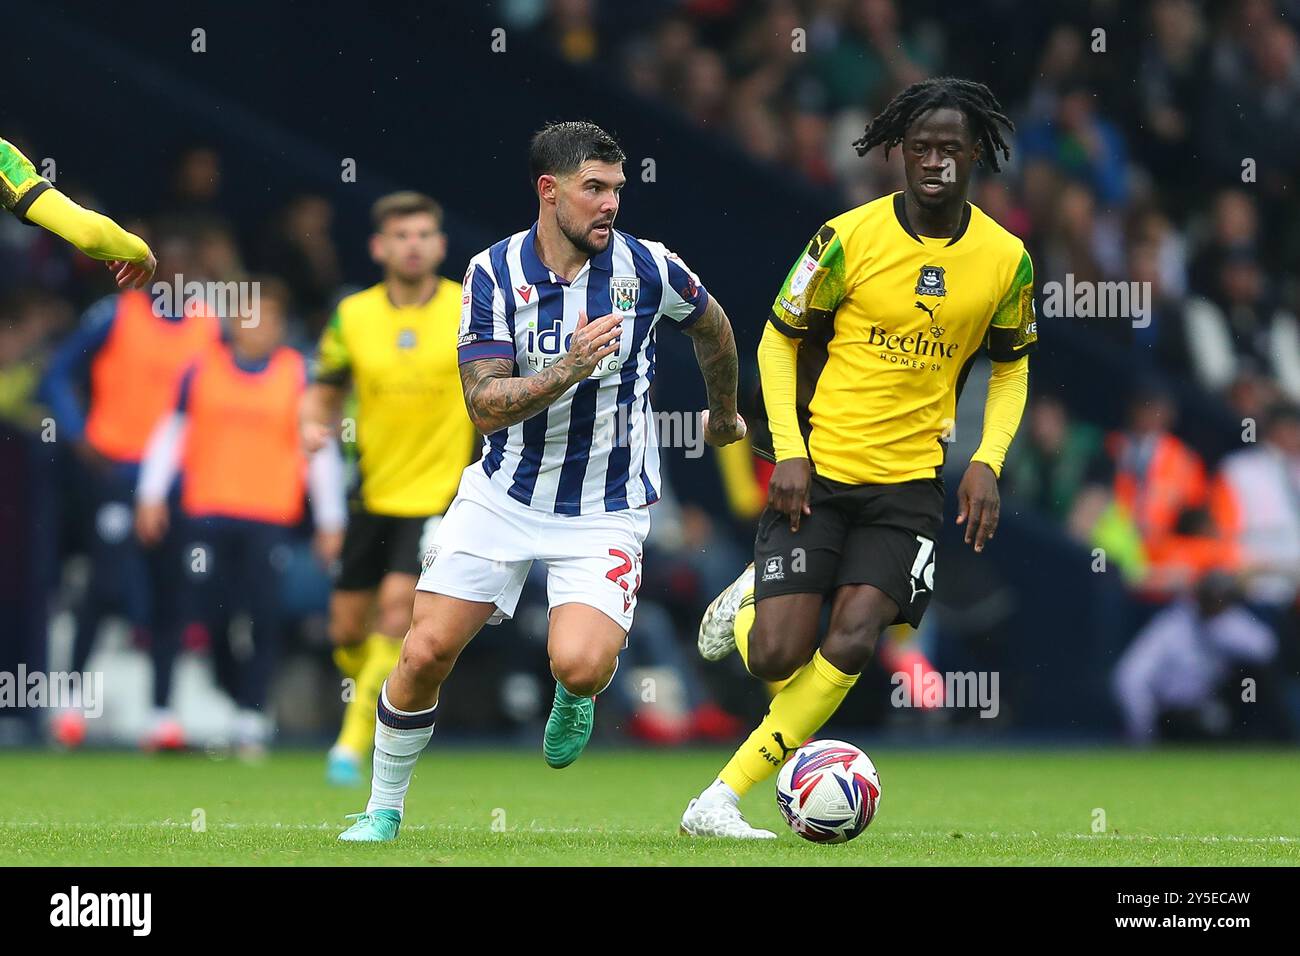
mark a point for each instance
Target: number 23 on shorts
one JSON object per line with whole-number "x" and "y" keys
{"x": 621, "y": 572}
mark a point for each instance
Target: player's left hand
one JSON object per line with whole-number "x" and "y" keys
{"x": 978, "y": 504}
{"x": 133, "y": 275}
{"x": 721, "y": 431}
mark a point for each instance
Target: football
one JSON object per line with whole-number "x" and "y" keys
{"x": 828, "y": 792}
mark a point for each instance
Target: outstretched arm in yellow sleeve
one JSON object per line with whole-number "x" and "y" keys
{"x": 96, "y": 235}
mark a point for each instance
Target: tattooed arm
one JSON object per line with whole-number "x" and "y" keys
{"x": 495, "y": 399}
{"x": 715, "y": 350}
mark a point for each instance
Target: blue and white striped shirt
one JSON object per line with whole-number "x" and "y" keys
{"x": 594, "y": 449}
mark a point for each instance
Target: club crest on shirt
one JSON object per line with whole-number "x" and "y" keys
{"x": 930, "y": 281}
{"x": 406, "y": 339}
{"x": 623, "y": 292}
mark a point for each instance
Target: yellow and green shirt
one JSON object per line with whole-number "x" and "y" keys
{"x": 889, "y": 322}
{"x": 20, "y": 183}
{"x": 413, "y": 434}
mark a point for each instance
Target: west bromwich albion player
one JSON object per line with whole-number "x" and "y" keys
{"x": 557, "y": 352}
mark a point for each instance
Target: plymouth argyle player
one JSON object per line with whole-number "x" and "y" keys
{"x": 557, "y": 353}
{"x": 868, "y": 344}
{"x": 31, "y": 198}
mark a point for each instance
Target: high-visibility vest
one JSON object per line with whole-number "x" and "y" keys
{"x": 135, "y": 375}
{"x": 242, "y": 457}
{"x": 1156, "y": 490}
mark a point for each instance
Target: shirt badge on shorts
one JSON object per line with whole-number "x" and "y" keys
{"x": 430, "y": 556}
{"x": 773, "y": 569}
{"x": 623, "y": 292}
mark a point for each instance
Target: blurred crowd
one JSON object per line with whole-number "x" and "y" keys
{"x": 1181, "y": 174}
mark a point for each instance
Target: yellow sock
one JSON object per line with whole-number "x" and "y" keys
{"x": 349, "y": 658}
{"x": 358, "y": 731}
{"x": 744, "y": 624}
{"x": 805, "y": 703}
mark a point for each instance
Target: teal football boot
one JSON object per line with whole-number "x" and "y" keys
{"x": 568, "y": 728}
{"x": 378, "y": 827}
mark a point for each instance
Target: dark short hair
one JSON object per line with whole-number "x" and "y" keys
{"x": 560, "y": 148}
{"x": 404, "y": 203}
{"x": 277, "y": 290}
{"x": 1281, "y": 412}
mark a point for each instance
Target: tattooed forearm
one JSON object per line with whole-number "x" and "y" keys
{"x": 715, "y": 350}
{"x": 496, "y": 399}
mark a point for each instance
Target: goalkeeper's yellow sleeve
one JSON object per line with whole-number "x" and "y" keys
{"x": 777, "y": 355}
{"x": 1008, "y": 387}
{"x": 94, "y": 234}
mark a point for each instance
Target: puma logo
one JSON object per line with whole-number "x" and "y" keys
{"x": 915, "y": 590}
{"x": 780, "y": 742}
{"x": 928, "y": 311}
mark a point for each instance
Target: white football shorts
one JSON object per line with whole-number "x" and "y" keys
{"x": 487, "y": 541}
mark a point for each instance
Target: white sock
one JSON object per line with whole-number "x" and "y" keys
{"x": 252, "y": 727}
{"x": 720, "y": 791}
{"x": 399, "y": 738}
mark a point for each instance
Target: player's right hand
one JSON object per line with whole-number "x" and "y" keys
{"x": 315, "y": 436}
{"x": 150, "y": 522}
{"x": 592, "y": 340}
{"x": 787, "y": 491}
{"x": 133, "y": 275}
{"x": 328, "y": 545}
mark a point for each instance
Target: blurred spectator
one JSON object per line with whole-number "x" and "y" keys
{"x": 1180, "y": 660}
{"x": 1086, "y": 146}
{"x": 1233, "y": 228}
{"x": 1251, "y": 97}
{"x": 867, "y": 56}
{"x": 1171, "y": 83}
{"x": 28, "y": 320}
{"x": 1052, "y": 460}
{"x": 1265, "y": 482}
{"x": 299, "y": 250}
{"x": 1242, "y": 327}
{"x": 194, "y": 200}
{"x": 572, "y": 27}
{"x": 1184, "y": 521}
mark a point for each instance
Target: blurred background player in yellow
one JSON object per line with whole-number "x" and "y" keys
{"x": 32, "y": 198}
{"x": 232, "y": 437}
{"x": 394, "y": 345}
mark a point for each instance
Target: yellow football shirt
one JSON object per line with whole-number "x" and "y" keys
{"x": 413, "y": 434}
{"x": 20, "y": 183}
{"x": 889, "y": 322}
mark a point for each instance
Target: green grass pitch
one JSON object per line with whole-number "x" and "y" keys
{"x": 475, "y": 807}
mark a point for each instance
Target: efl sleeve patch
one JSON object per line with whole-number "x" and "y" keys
{"x": 814, "y": 286}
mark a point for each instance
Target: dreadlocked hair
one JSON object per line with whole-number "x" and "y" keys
{"x": 982, "y": 109}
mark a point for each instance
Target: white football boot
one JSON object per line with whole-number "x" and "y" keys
{"x": 716, "y": 816}
{"x": 718, "y": 626}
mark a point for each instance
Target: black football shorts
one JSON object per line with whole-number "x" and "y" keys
{"x": 882, "y": 535}
{"x": 375, "y": 545}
